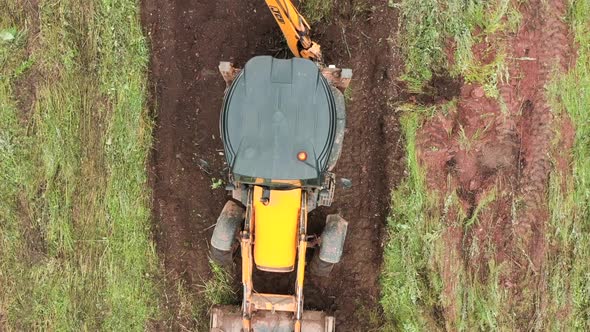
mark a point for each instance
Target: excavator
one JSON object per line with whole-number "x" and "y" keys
{"x": 282, "y": 125}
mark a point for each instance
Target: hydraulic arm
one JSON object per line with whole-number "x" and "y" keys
{"x": 296, "y": 29}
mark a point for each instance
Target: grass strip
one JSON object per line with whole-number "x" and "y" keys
{"x": 315, "y": 11}
{"x": 429, "y": 28}
{"x": 413, "y": 228}
{"x": 570, "y": 195}
{"x": 411, "y": 297}
{"x": 75, "y": 239}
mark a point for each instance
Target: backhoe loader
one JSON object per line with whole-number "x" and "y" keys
{"x": 282, "y": 125}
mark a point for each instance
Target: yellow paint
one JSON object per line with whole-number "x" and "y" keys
{"x": 295, "y": 28}
{"x": 301, "y": 263}
{"x": 276, "y": 229}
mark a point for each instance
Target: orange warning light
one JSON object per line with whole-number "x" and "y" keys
{"x": 302, "y": 156}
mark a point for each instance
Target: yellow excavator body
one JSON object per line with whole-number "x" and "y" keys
{"x": 275, "y": 229}
{"x": 272, "y": 222}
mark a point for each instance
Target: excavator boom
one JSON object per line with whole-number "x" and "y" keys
{"x": 296, "y": 29}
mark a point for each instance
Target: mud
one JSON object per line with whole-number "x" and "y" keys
{"x": 502, "y": 150}
{"x": 188, "y": 39}
{"x": 26, "y": 85}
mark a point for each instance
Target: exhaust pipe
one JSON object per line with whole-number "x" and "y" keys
{"x": 229, "y": 319}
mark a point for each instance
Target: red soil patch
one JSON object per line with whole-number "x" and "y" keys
{"x": 503, "y": 148}
{"x": 189, "y": 38}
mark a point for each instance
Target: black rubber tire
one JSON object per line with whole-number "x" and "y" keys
{"x": 318, "y": 267}
{"x": 224, "y": 258}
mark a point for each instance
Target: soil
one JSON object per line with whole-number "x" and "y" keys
{"x": 26, "y": 85}
{"x": 503, "y": 150}
{"x": 188, "y": 39}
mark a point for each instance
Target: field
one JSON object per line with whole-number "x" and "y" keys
{"x": 466, "y": 145}
{"x": 489, "y": 229}
{"x": 75, "y": 243}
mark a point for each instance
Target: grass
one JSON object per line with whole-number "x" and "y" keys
{"x": 428, "y": 27}
{"x": 193, "y": 307}
{"x": 75, "y": 239}
{"x": 315, "y": 11}
{"x": 217, "y": 289}
{"x": 412, "y": 285}
{"x": 570, "y": 195}
{"x": 482, "y": 303}
{"x": 465, "y": 142}
{"x": 408, "y": 282}
{"x": 413, "y": 293}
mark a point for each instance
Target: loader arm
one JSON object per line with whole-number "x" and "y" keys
{"x": 296, "y": 29}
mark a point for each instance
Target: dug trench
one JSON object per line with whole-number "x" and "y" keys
{"x": 188, "y": 39}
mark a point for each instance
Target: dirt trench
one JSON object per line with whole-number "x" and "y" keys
{"x": 188, "y": 39}
{"x": 495, "y": 154}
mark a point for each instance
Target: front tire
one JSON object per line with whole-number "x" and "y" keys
{"x": 223, "y": 239}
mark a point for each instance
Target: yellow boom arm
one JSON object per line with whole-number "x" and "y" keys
{"x": 295, "y": 28}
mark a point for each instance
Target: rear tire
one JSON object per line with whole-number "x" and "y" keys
{"x": 223, "y": 258}
{"x": 318, "y": 267}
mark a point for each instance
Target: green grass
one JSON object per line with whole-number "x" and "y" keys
{"x": 428, "y": 27}
{"x": 75, "y": 243}
{"x": 570, "y": 195}
{"x": 408, "y": 282}
{"x": 217, "y": 289}
{"x": 482, "y": 306}
{"x": 412, "y": 289}
{"x": 193, "y": 306}
{"x": 412, "y": 284}
{"x": 315, "y": 11}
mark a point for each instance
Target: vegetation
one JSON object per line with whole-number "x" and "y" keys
{"x": 429, "y": 27}
{"x": 76, "y": 252}
{"x": 193, "y": 307}
{"x": 413, "y": 295}
{"x": 570, "y": 195}
{"x": 75, "y": 240}
{"x": 218, "y": 289}
{"x": 317, "y": 10}
{"x": 413, "y": 230}
{"x": 412, "y": 285}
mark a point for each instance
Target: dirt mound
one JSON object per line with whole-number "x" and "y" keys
{"x": 189, "y": 38}
{"x": 496, "y": 153}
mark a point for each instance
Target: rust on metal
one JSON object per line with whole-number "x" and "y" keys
{"x": 339, "y": 78}
{"x": 229, "y": 319}
{"x": 274, "y": 302}
{"x": 228, "y": 71}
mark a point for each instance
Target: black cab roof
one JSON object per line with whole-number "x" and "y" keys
{"x": 274, "y": 110}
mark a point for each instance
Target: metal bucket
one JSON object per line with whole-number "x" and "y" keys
{"x": 229, "y": 319}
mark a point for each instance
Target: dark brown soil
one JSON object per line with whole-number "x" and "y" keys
{"x": 486, "y": 148}
{"x": 188, "y": 40}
